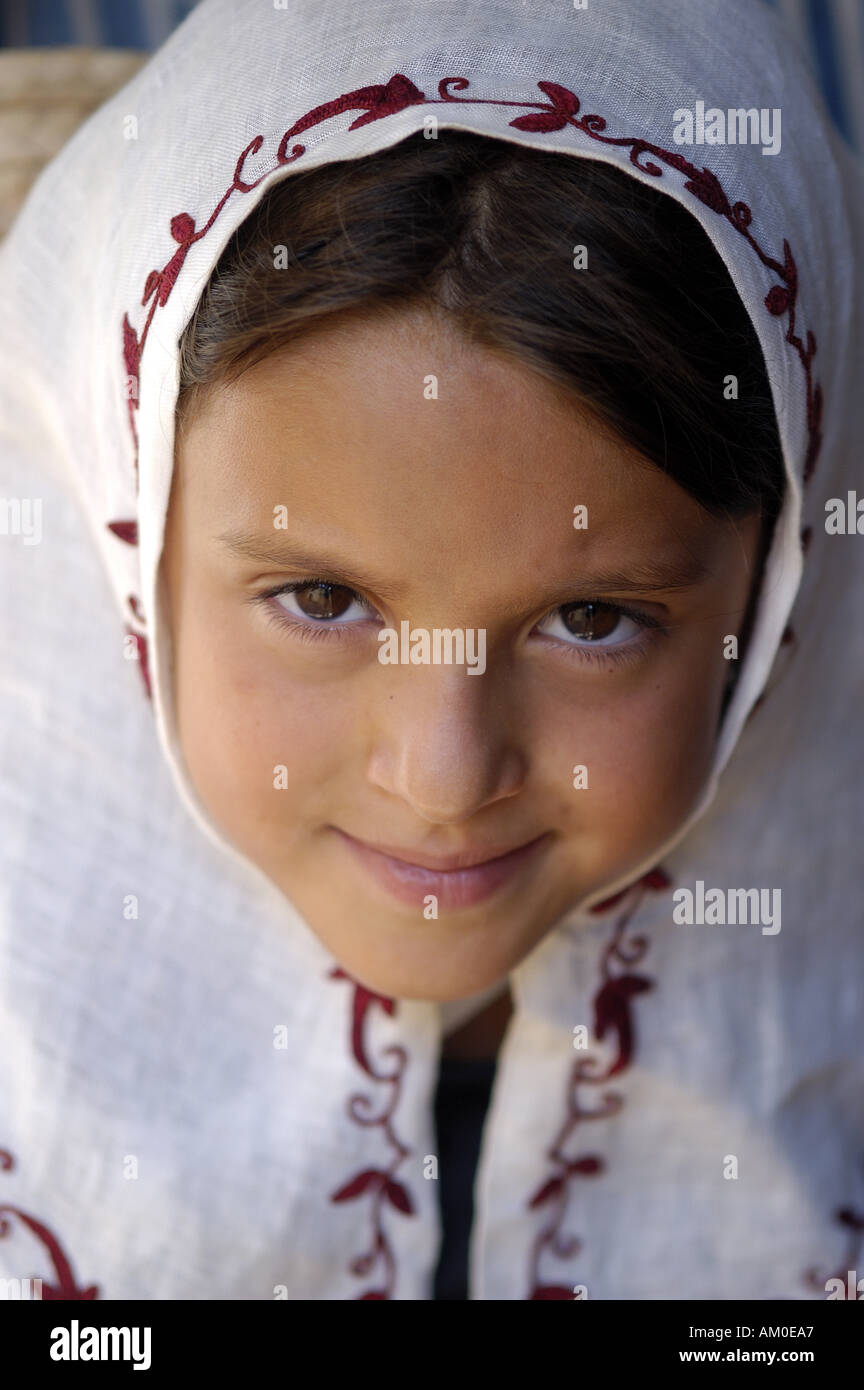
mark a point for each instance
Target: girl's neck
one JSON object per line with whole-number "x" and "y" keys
{"x": 480, "y": 1038}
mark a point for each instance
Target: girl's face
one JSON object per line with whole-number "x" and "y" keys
{"x": 339, "y": 461}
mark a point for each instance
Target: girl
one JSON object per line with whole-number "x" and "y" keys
{"x": 457, "y": 440}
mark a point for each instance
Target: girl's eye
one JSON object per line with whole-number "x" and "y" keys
{"x": 595, "y": 624}
{"x": 314, "y": 608}
{"x": 320, "y": 602}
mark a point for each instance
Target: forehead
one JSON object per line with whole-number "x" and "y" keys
{"x": 395, "y": 437}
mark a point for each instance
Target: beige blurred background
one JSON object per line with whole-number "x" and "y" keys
{"x": 45, "y": 94}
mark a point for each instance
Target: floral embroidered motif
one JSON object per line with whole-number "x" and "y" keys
{"x": 64, "y": 1286}
{"x": 125, "y": 531}
{"x": 559, "y": 111}
{"x": 378, "y": 1183}
{"x": 613, "y": 1023}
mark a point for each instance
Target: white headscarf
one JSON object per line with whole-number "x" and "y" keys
{"x": 194, "y": 1101}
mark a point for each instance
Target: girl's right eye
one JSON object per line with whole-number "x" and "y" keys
{"x": 319, "y": 602}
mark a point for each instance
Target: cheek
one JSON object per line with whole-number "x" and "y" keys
{"x": 243, "y": 716}
{"x": 647, "y": 750}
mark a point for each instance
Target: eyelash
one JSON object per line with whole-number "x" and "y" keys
{"x": 312, "y": 631}
{"x": 309, "y": 631}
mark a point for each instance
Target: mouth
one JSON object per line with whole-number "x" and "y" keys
{"x": 456, "y": 880}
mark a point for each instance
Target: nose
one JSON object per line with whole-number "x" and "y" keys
{"x": 445, "y": 743}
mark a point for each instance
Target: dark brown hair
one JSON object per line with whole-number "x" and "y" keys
{"x": 486, "y": 229}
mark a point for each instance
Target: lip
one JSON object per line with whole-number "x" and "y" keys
{"x": 456, "y": 880}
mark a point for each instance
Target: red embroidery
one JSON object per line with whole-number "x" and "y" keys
{"x": 380, "y": 1183}
{"x": 125, "y": 530}
{"x": 399, "y": 92}
{"x": 64, "y": 1286}
{"x": 135, "y": 608}
{"x": 562, "y": 109}
{"x": 141, "y": 650}
{"x": 613, "y": 1022}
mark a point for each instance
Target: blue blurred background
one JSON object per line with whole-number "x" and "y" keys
{"x": 141, "y": 24}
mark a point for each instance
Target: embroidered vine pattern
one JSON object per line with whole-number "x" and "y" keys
{"x": 64, "y": 1286}
{"x": 378, "y": 1184}
{"x": 561, "y": 109}
{"x": 613, "y": 1023}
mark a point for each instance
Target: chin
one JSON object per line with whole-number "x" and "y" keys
{"x": 400, "y": 966}
{"x": 421, "y": 989}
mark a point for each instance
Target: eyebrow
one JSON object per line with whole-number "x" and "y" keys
{"x": 648, "y": 576}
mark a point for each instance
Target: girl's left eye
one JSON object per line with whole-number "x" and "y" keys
{"x": 589, "y": 624}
